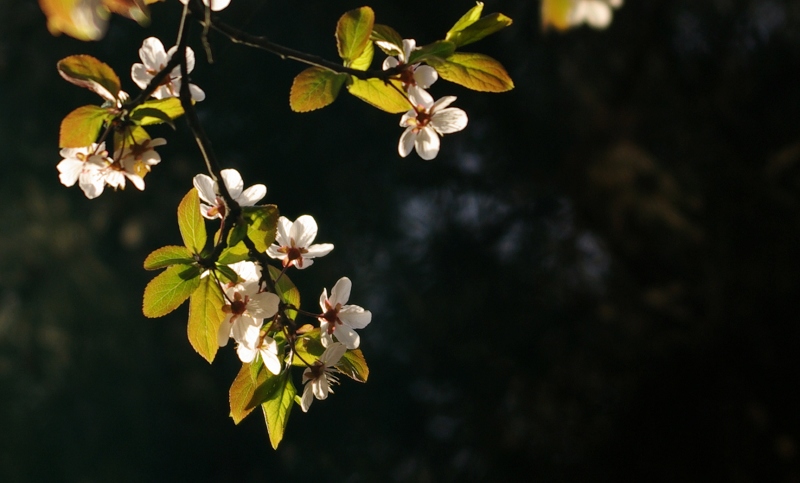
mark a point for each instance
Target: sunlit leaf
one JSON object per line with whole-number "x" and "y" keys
{"x": 353, "y": 31}
{"x": 387, "y": 39}
{"x": 157, "y": 111}
{"x": 315, "y": 88}
{"x": 278, "y": 408}
{"x": 353, "y": 365}
{"x": 88, "y": 72}
{"x": 166, "y": 256}
{"x": 171, "y": 106}
{"x": 129, "y": 134}
{"x": 466, "y": 20}
{"x": 480, "y": 29}
{"x": 363, "y": 61}
{"x": 205, "y": 317}
{"x": 439, "y": 48}
{"x": 81, "y": 19}
{"x": 249, "y": 389}
{"x": 262, "y": 225}
{"x": 234, "y": 254}
{"x": 81, "y": 127}
{"x": 379, "y": 94}
{"x": 133, "y": 9}
{"x": 286, "y": 290}
{"x": 475, "y": 71}
{"x": 226, "y": 274}
{"x": 169, "y": 289}
{"x": 307, "y": 348}
{"x": 556, "y": 13}
{"x": 190, "y": 222}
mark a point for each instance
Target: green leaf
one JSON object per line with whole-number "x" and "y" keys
{"x": 278, "y": 408}
{"x": 169, "y": 289}
{"x": 190, "y": 222}
{"x": 205, "y": 317}
{"x": 166, "y": 256}
{"x": 440, "y": 48}
{"x": 353, "y": 365}
{"x": 262, "y": 225}
{"x": 129, "y": 135}
{"x": 307, "y": 348}
{"x": 147, "y": 116}
{"x": 315, "y": 88}
{"x": 379, "y": 94}
{"x": 171, "y": 106}
{"x": 466, "y": 20}
{"x": 227, "y": 274}
{"x": 81, "y": 127}
{"x": 286, "y": 290}
{"x": 241, "y": 393}
{"x": 480, "y": 29}
{"x": 387, "y": 38}
{"x": 234, "y": 254}
{"x": 474, "y": 71}
{"x": 363, "y": 61}
{"x": 86, "y": 71}
{"x": 352, "y": 33}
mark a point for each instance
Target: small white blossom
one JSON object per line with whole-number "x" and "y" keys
{"x": 595, "y": 13}
{"x": 212, "y": 205}
{"x": 321, "y": 374}
{"x": 422, "y": 76}
{"x": 137, "y": 160}
{"x": 427, "y": 121}
{"x": 154, "y": 58}
{"x": 92, "y": 169}
{"x": 248, "y": 307}
{"x": 293, "y": 242}
{"x": 257, "y": 342}
{"x": 216, "y": 5}
{"x": 338, "y": 319}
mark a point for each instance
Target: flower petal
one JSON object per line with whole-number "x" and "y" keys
{"x": 304, "y": 230}
{"x": 333, "y": 354}
{"x": 205, "y": 188}
{"x": 308, "y": 398}
{"x": 263, "y": 305}
{"x": 449, "y": 120}
{"x": 347, "y": 336}
{"x": 252, "y": 195}
{"x": 340, "y": 292}
{"x": 322, "y": 299}
{"x": 69, "y": 170}
{"x": 389, "y": 63}
{"x": 224, "y": 332}
{"x": 427, "y": 143}
{"x": 425, "y": 76}
{"x": 140, "y": 76}
{"x": 284, "y": 227}
{"x": 152, "y": 54}
{"x": 355, "y": 316}
{"x": 320, "y": 387}
{"x": 407, "y": 140}
{"x": 318, "y": 250}
{"x": 197, "y": 93}
{"x": 271, "y": 361}
{"x": 233, "y": 181}
{"x": 420, "y": 97}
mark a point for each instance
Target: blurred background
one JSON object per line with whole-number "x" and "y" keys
{"x": 596, "y": 281}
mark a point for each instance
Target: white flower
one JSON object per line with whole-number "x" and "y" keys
{"x": 216, "y": 5}
{"x": 247, "y": 308}
{"x": 154, "y": 58}
{"x": 212, "y": 205}
{"x": 92, "y": 169}
{"x": 339, "y": 319}
{"x": 136, "y": 160}
{"x": 293, "y": 242}
{"x": 427, "y": 121}
{"x": 321, "y": 375}
{"x": 420, "y": 75}
{"x": 247, "y": 271}
{"x": 257, "y": 342}
{"x": 595, "y": 13}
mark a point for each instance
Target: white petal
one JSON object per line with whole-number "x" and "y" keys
{"x": 246, "y": 353}
{"x": 340, "y": 292}
{"x": 233, "y": 181}
{"x": 246, "y": 331}
{"x": 152, "y": 54}
{"x": 407, "y": 141}
{"x": 140, "y": 76}
{"x": 217, "y": 5}
{"x": 205, "y": 188}
{"x": 325, "y": 337}
{"x": 425, "y": 76}
{"x": 252, "y": 195}
{"x": 318, "y": 250}
{"x": 204, "y": 209}
{"x": 449, "y": 120}
{"x": 92, "y": 183}
{"x": 272, "y": 252}
{"x": 197, "y": 93}
{"x": 304, "y": 230}
{"x": 307, "y": 262}
{"x": 420, "y": 97}
{"x": 408, "y": 46}
{"x": 69, "y": 170}
{"x": 271, "y": 361}
{"x": 248, "y": 271}
{"x": 347, "y": 336}
{"x": 263, "y": 305}
{"x": 320, "y": 387}
{"x": 442, "y": 103}
{"x": 427, "y": 143}
{"x": 333, "y": 354}
{"x": 355, "y": 316}
{"x": 389, "y": 62}
{"x": 598, "y": 15}
{"x": 308, "y": 398}
{"x": 322, "y": 299}
{"x": 284, "y": 227}
{"x": 224, "y": 332}
{"x": 136, "y": 180}
{"x": 406, "y": 120}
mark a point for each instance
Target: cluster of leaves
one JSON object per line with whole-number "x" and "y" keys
{"x": 356, "y": 34}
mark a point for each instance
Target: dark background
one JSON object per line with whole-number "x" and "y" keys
{"x": 596, "y": 281}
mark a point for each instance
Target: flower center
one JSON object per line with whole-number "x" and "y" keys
{"x": 423, "y": 117}
{"x": 293, "y": 252}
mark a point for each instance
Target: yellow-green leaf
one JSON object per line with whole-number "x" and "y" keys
{"x": 262, "y": 225}
{"x": 133, "y": 9}
{"x": 474, "y": 71}
{"x": 307, "y": 348}
{"x": 387, "y": 39}
{"x": 480, "y": 29}
{"x": 440, "y": 48}
{"x": 556, "y": 13}
{"x": 380, "y": 95}
{"x": 171, "y": 106}
{"x": 166, "y": 256}
{"x": 88, "y": 72}
{"x": 190, "y": 222}
{"x": 315, "y": 88}
{"x": 363, "y": 61}
{"x": 353, "y": 31}
{"x": 169, "y": 289}
{"x": 128, "y": 135}
{"x": 286, "y": 291}
{"x": 278, "y": 408}
{"x": 205, "y": 317}
{"x": 157, "y": 111}
{"x": 77, "y": 18}
{"x": 353, "y": 365}
{"x": 81, "y": 127}
{"x": 466, "y": 20}
{"x": 241, "y": 392}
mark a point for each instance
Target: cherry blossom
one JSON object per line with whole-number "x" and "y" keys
{"x": 216, "y": 5}
{"x": 212, "y": 205}
{"x": 427, "y": 121}
{"x": 248, "y": 307}
{"x": 321, "y": 375}
{"x": 154, "y": 59}
{"x": 422, "y": 76}
{"x": 338, "y": 319}
{"x": 137, "y": 159}
{"x": 92, "y": 169}
{"x": 256, "y": 342}
{"x": 293, "y": 242}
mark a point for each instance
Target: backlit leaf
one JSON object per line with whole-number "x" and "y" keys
{"x": 81, "y": 19}
{"x": 157, "y": 111}
{"x": 81, "y": 127}
{"x": 169, "y": 289}
{"x": 243, "y": 390}
{"x": 88, "y": 72}
{"x": 439, "y": 48}
{"x": 363, "y": 61}
{"x": 475, "y": 71}
{"x": 353, "y": 31}
{"x": 353, "y": 365}
{"x": 205, "y": 317}
{"x": 480, "y": 29}
{"x": 278, "y": 408}
{"x": 307, "y": 348}
{"x": 466, "y": 20}
{"x": 315, "y": 88}
{"x": 128, "y": 135}
{"x": 556, "y": 13}
{"x": 387, "y": 39}
{"x": 133, "y": 9}
{"x": 190, "y": 222}
{"x": 166, "y": 256}
{"x": 286, "y": 290}
{"x": 380, "y": 94}
{"x": 262, "y": 225}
